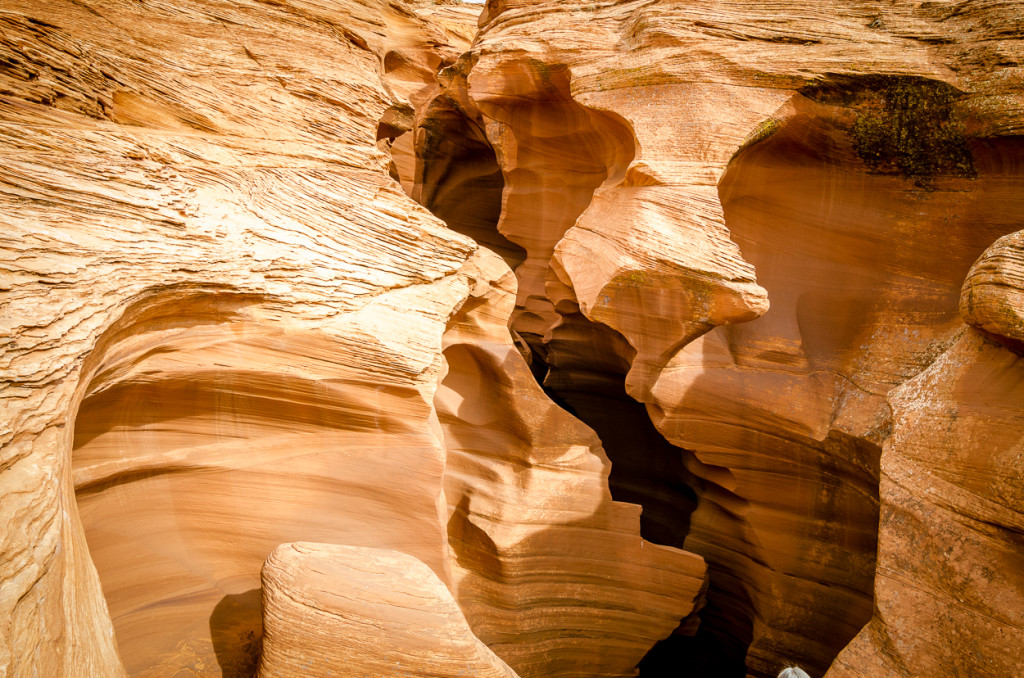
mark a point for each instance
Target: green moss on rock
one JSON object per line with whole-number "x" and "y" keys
{"x": 904, "y": 125}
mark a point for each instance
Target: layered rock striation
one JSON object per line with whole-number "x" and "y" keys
{"x": 197, "y": 224}
{"x": 223, "y": 326}
{"x": 366, "y": 612}
{"x": 756, "y": 223}
{"x": 515, "y": 460}
{"x": 950, "y": 551}
{"x": 755, "y": 270}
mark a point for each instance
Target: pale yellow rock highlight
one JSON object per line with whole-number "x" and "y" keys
{"x": 341, "y": 610}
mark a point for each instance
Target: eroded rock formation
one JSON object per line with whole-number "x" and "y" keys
{"x": 991, "y": 297}
{"x": 758, "y": 225}
{"x": 514, "y": 460}
{"x": 179, "y": 287}
{"x": 223, "y": 328}
{"x": 767, "y": 271}
{"x": 332, "y": 610}
{"x": 950, "y": 547}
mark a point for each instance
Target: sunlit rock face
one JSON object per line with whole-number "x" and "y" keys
{"x": 580, "y": 595}
{"x": 227, "y": 327}
{"x": 203, "y": 415}
{"x": 365, "y": 612}
{"x": 765, "y": 263}
{"x": 197, "y": 226}
{"x": 756, "y": 223}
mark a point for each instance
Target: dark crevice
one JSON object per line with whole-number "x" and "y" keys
{"x": 708, "y": 653}
{"x": 458, "y": 178}
{"x": 236, "y": 630}
{"x": 646, "y": 468}
{"x": 569, "y": 151}
{"x": 650, "y": 471}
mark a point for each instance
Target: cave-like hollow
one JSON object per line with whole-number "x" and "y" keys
{"x": 862, "y": 242}
{"x": 462, "y": 184}
{"x": 206, "y": 436}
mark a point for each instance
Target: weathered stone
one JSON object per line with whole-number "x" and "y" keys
{"x": 223, "y": 325}
{"x": 342, "y": 610}
{"x": 993, "y": 294}
{"x": 756, "y": 220}
{"x": 949, "y": 588}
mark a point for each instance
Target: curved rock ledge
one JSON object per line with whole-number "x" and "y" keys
{"x": 330, "y": 610}
{"x": 992, "y": 298}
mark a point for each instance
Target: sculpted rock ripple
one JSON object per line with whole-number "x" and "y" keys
{"x": 764, "y": 225}
{"x": 223, "y": 324}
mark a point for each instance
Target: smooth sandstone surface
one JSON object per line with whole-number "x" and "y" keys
{"x": 197, "y": 224}
{"x": 348, "y": 611}
{"x": 223, "y": 324}
{"x": 746, "y": 239}
{"x": 538, "y": 546}
{"x": 950, "y": 532}
{"x": 757, "y": 221}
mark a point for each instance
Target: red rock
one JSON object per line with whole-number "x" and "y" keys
{"x": 715, "y": 202}
{"x": 223, "y": 331}
{"x": 745, "y": 240}
{"x": 949, "y": 589}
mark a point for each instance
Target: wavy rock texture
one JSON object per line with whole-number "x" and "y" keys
{"x": 516, "y": 460}
{"x": 204, "y": 266}
{"x": 332, "y": 610}
{"x": 756, "y": 221}
{"x": 222, "y": 331}
{"x": 950, "y": 546}
{"x": 189, "y": 433}
{"x": 992, "y": 299}
{"x": 949, "y": 589}
{"x": 743, "y": 238}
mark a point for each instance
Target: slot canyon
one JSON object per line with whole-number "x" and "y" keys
{"x": 517, "y": 338}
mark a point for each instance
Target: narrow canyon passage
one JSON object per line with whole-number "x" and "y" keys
{"x": 781, "y": 496}
{"x": 513, "y": 457}
{"x": 513, "y": 339}
{"x": 563, "y": 153}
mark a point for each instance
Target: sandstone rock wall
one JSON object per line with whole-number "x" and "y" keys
{"x": 769, "y": 254}
{"x": 757, "y": 221}
{"x": 515, "y": 460}
{"x": 950, "y": 556}
{"x": 196, "y": 218}
{"x": 222, "y": 325}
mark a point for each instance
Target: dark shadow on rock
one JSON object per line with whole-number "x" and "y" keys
{"x": 646, "y": 469}
{"x": 236, "y": 628}
{"x": 718, "y": 649}
{"x": 458, "y": 177}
